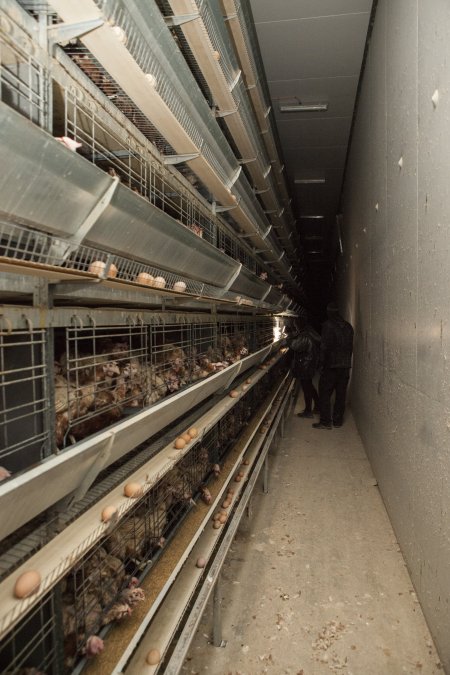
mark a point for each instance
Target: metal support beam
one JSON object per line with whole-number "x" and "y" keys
{"x": 178, "y": 159}
{"x": 62, "y": 248}
{"x": 247, "y": 161}
{"x": 266, "y": 475}
{"x": 236, "y": 80}
{"x": 225, "y": 113}
{"x": 235, "y": 176}
{"x": 180, "y": 19}
{"x": 62, "y": 33}
{"x": 221, "y": 209}
{"x": 217, "y": 616}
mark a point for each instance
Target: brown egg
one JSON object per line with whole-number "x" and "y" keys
{"x": 27, "y": 584}
{"x": 244, "y": 387}
{"x": 222, "y": 519}
{"x": 179, "y": 286}
{"x": 145, "y": 278}
{"x": 241, "y": 474}
{"x": 245, "y": 462}
{"x": 193, "y": 432}
{"x": 248, "y": 381}
{"x": 223, "y": 513}
{"x": 186, "y": 437}
{"x": 226, "y": 504}
{"x": 108, "y": 513}
{"x": 97, "y": 267}
{"x": 216, "y": 55}
{"x": 112, "y": 272}
{"x": 132, "y": 490}
{"x": 231, "y": 491}
{"x": 233, "y": 393}
{"x": 217, "y": 524}
{"x": 159, "y": 282}
{"x": 179, "y": 443}
{"x": 201, "y": 562}
{"x": 153, "y": 657}
{"x": 238, "y": 479}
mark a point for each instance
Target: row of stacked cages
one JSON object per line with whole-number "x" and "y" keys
{"x": 60, "y": 385}
{"x": 78, "y": 100}
{"x": 53, "y": 637}
{"x": 71, "y": 378}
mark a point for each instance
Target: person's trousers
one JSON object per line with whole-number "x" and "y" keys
{"x": 310, "y": 394}
{"x": 333, "y": 380}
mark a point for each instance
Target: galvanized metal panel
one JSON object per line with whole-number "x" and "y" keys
{"x": 331, "y": 157}
{"x": 404, "y": 386}
{"x": 317, "y": 47}
{"x": 46, "y": 184}
{"x": 267, "y": 10}
{"x": 135, "y": 228}
{"x": 249, "y": 284}
{"x": 339, "y": 91}
{"x": 316, "y": 133}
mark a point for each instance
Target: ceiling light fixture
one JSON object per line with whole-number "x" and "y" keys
{"x": 304, "y": 107}
{"x": 309, "y": 181}
{"x": 313, "y": 217}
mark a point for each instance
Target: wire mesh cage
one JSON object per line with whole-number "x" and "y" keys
{"x": 265, "y": 334}
{"x": 237, "y": 339}
{"x": 24, "y": 400}
{"x": 23, "y": 79}
{"x": 102, "y": 587}
{"x": 170, "y": 347}
{"x": 100, "y": 374}
{"x": 31, "y": 648}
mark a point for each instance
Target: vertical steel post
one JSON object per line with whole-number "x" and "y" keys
{"x": 217, "y": 615}
{"x": 266, "y": 475}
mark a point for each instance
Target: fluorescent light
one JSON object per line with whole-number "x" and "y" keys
{"x": 304, "y": 107}
{"x": 313, "y": 217}
{"x": 309, "y": 181}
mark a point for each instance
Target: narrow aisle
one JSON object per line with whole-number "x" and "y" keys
{"x": 315, "y": 582}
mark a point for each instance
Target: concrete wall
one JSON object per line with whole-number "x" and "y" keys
{"x": 395, "y": 286}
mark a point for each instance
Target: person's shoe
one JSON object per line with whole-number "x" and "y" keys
{"x": 305, "y": 413}
{"x": 321, "y": 425}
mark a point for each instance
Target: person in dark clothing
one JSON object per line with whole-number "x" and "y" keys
{"x": 305, "y": 347}
{"x": 335, "y": 363}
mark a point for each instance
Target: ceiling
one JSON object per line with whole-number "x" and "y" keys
{"x": 312, "y": 52}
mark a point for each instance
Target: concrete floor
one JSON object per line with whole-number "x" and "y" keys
{"x": 315, "y": 581}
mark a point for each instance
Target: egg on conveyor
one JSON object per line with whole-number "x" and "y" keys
{"x": 97, "y": 267}
{"x": 132, "y": 490}
{"x": 112, "y": 272}
{"x": 153, "y": 657}
{"x": 108, "y": 513}
{"x": 159, "y": 282}
{"x": 27, "y": 584}
{"x": 193, "y": 433}
{"x": 179, "y": 286}
{"x": 180, "y": 443}
{"x": 234, "y": 393}
{"x": 145, "y": 278}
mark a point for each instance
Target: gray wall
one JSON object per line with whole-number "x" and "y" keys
{"x": 395, "y": 286}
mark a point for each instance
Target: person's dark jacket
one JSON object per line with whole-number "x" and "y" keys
{"x": 305, "y": 348}
{"x": 337, "y": 344}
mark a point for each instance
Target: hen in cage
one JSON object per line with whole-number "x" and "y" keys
{"x": 172, "y": 367}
